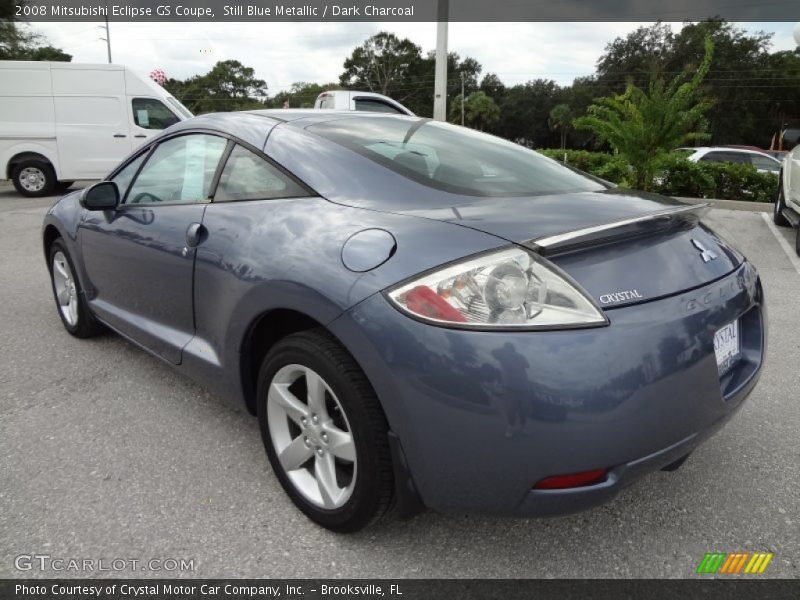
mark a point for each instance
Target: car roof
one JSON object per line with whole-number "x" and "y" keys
{"x": 253, "y": 126}
{"x": 729, "y": 149}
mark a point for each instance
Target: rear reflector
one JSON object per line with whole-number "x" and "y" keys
{"x": 563, "y": 482}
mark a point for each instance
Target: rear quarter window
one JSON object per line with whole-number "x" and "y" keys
{"x": 453, "y": 159}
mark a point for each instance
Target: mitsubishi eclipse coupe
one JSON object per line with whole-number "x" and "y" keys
{"x": 419, "y": 314}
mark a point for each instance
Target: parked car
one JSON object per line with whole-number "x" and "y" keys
{"x": 786, "y": 211}
{"x": 726, "y": 154}
{"x": 419, "y": 314}
{"x": 65, "y": 121}
{"x": 776, "y": 154}
{"x": 364, "y": 101}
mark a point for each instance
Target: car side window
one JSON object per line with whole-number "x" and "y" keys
{"x": 372, "y": 105}
{"x": 730, "y": 157}
{"x": 762, "y": 162}
{"x": 124, "y": 177}
{"x": 247, "y": 176}
{"x": 149, "y": 113}
{"x": 179, "y": 170}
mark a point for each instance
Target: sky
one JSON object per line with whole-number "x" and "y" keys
{"x": 284, "y": 53}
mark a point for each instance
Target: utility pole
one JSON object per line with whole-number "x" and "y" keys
{"x": 462, "y": 98}
{"x": 440, "y": 83}
{"x": 107, "y": 39}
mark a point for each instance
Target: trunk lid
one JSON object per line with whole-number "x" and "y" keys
{"x": 622, "y": 247}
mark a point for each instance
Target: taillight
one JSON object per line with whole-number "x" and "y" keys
{"x": 424, "y": 302}
{"x": 510, "y": 288}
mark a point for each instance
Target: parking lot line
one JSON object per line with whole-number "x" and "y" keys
{"x": 790, "y": 253}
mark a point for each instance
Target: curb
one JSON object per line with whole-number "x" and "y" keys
{"x": 764, "y": 207}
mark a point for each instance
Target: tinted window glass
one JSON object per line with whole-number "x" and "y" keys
{"x": 731, "y": 157}
{"x": 372, "y": 105}
{"x": 124, "y": 177}
{"x": 762, "y": 162}
{"x": 247, "y": 176}
{"x": 454, "y": 159}
{"x": 179, "y": 170}
{"x": 152, "y": 114}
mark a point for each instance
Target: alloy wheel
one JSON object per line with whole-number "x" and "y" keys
{"x": 311, "y": 436}
{"x": 65, "y": 288}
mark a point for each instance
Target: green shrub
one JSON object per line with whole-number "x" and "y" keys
{"x": 617, "y": 170}
{"x": 601, "y": 164}
{"x": 676, "y": 176}
{"x": 580, "y": 159}
{"x": 742, "y": 182}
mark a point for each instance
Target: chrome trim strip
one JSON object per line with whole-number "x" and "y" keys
{"x": 571, "y": 236}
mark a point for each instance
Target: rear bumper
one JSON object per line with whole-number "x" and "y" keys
{"x": 483, "y": 416}
{"x": 558, "y": 502}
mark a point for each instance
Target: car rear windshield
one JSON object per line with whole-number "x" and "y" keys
{"x": 453, "y": 159}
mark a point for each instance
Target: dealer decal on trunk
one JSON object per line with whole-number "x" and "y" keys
{"x": 620, "y": 296}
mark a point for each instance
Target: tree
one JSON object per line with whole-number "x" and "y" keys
{"x": 17, "y": 42}
{"x": 753, "y": 90}
{"x": 229, "y": 85}
{"x": 302, "y": 94}
{"x": 381, "y": 64}
{"x": 480, "y": 110}
{"x": 396, "y": 68}
{"x": 636, "y": 57}
{"x": 525, "y": 110}
{"x": 643, "y": 126}
{"x": 560, "y": 120}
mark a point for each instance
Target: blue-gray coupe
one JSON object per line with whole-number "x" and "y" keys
{"x": 419, "y": 314}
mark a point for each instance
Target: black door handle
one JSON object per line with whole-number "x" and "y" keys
{"x": 194, "y": 235}
{"x": 120, "y": 135}
{"x": 141, "y": 135}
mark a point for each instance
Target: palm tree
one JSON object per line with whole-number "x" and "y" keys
{"x": 642, "y": 126}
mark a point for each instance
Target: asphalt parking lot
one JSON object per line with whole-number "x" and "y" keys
{"x": 106, "y": 452}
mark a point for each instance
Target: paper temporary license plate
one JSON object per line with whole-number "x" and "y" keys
{"x": 727, "y": 346}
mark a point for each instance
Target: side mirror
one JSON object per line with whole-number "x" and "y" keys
{"x": 100, "y": 196}
{"x": 790, "y": 138}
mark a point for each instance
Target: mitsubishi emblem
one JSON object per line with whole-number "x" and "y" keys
{"x": 705, "y": 254}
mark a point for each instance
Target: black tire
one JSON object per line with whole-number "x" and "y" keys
{"x": 779, "y": 205}
{"x": 86, "y": 326}
{"x": 64, "y": 185}
{"x": 38, "y": 168}
{"x": 797, "y": 241}
{"x": 373, "y": 487}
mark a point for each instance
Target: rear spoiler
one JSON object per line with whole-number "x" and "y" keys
{"x": 614, "y": 231}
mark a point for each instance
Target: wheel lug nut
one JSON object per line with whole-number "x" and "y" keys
{"x": 324, "y": 437}
{"x": 303, "y": 420}
{"x": 320, "y": 452}
{"x": 315, "y": 419}
{"x": 306, "y": 442}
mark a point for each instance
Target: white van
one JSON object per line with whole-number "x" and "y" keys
{"x": 367, "y": 101}
{"x": 63, "y": 121}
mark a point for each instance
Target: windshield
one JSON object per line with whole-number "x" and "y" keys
{"x": 453, "y": 159}
{"x": 180, "y": 108}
